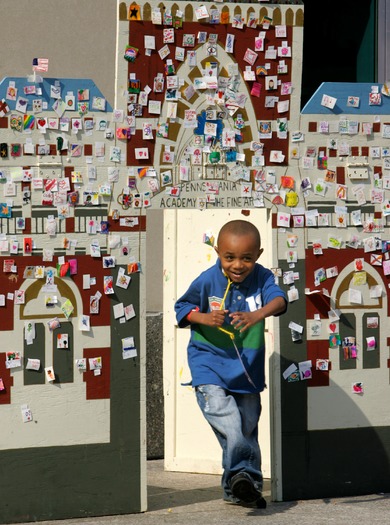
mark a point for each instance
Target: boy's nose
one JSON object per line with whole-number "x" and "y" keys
{"x": 238, "y": 264}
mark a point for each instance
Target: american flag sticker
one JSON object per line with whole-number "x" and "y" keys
{"x": 40, "y": 64}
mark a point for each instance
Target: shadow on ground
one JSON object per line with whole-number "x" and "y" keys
{"x": 161, "y": 497}
{"x": 207, "y": 497}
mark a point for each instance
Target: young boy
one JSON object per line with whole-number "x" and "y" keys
{"x": 226, "y": 307}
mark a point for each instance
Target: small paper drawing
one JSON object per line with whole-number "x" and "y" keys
{"x": 62, "y": 341}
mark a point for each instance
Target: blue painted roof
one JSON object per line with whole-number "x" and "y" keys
{"x": 341, "y": 91}
{"x": 66, "y": 85}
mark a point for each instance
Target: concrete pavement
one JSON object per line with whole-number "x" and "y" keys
{"x": 185, "y": 499}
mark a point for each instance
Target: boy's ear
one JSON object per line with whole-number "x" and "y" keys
{"x": 216, "y": 249}
{"x": 260, "y": 252}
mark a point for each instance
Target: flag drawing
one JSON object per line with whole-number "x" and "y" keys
{"x": 40, "y": 64}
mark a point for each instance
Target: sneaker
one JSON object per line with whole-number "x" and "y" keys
{"x": 244, "y": 489}
{"x": 260, "y": 503}
{"x": 232, "y": 500}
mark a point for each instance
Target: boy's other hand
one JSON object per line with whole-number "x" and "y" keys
{"x": 244, "y": 320}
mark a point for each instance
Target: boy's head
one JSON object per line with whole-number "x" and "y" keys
{"x": 238, "y": 248}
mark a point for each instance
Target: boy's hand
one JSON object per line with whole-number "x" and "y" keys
{"x": 214, "y": 318}
{"x": 244, "y": 320}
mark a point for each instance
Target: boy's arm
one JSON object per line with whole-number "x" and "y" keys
{"x": 189, "y": 301}
{"x": 214, "y": 318}
{"x": 244, "y": 320}
{"x": 274, "y": 307}
{"x": 190, "y": 309}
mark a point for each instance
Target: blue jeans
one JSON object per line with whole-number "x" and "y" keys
{"x": 234, "y": 419}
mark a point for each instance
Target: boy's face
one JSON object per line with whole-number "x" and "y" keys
{"x": 238, "y": 255}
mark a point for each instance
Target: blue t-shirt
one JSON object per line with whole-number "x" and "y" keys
{"x": 212, "y": 354}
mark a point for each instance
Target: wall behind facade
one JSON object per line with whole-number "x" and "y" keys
{"x": 78, "y": 38}
{"x": 80, "y": 42}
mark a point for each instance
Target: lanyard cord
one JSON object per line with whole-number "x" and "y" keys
{"x": 232, "y": 336}
{"x": 230, "y": 282}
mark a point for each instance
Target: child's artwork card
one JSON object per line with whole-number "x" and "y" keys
{"x": 11, "y": 91}
{"x": 229, "y": 44}
{"x": 328, "y": 101}
{"x": 115, "y": 154}
{"x": 123, "y": 280}
{"x": 95, "y": 363}
{"x": 129, "y": 312}
{"x": 304, "y": 368}
{"x": 82, "y": 94}
{"x": 21, "y": 104}
{"x": 13, "y": 359}
{"x": 94, "y": 249}
{"x": 33, "y": 364}
{"x": 250, "y": 56}
{"x": 201, "y": 12}
{"x": 283, "y": 219}
{"x": 49, "y": 373}
{"x": 19, "y": 296}
{"x": 357, "y": 388}
{"x": 188, "y": 40}
{"x": 322, "y": 364}
{"x": 84, "y": 323}
{"x": 63, "y": 341}
{"x": 353, "y": 102}
{"x": 141, "y": 153}
{"x": 169, "y": 35}
{"x": 108, "y": 261}
{"x": 333, "y": 327}
{"x": 26, "y": 414}
{"x": 118, "y": 310}
{"x": 128, "y": 348}
{"x": 164, "y": 52}
{"x": 81, "y": 364}
{"x": 94, "y": 304}
{"x": 315, "y": 327}
{"x": 67, "y": 308}
{"x": 108, "y": 284}
{"x": 27, "y": 246}
{"x": 372, "y": 322}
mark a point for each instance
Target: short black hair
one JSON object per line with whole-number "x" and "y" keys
{"x": 240, "y": 227}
